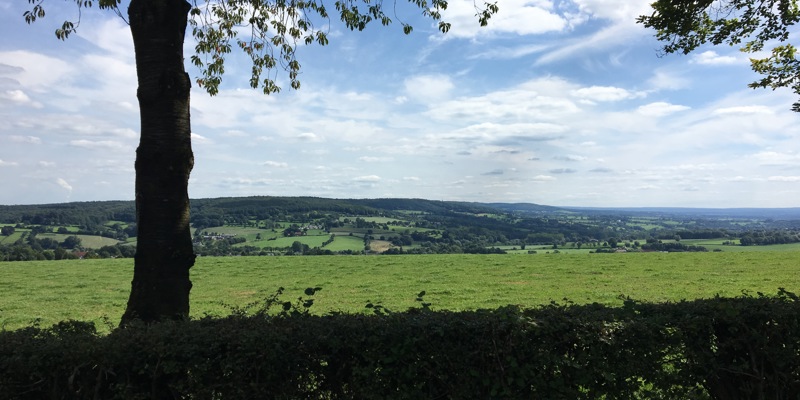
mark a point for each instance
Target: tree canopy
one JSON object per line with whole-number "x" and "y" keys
{"x": 685, "y": 25}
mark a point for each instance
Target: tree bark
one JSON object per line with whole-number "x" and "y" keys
{"x": 164, "y": 159}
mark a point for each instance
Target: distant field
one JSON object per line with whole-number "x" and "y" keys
{"x": 346, "y": 242}
{"x": 311, "y": 241}
{"x": 87, "y": 241}
{"x": 90, "y": 289}
{"x": 238, "y": 230}
{"x": 13, "y": 237}
{"x": 379, "y": 220}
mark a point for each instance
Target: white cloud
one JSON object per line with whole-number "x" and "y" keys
{"x": 64, "y": 184}
{"x": 276, "y": 164}
{"x": 19, "y": 97}
{"x": 25, "y": 139}
{"x": 660, "y": 109}
{"x": 518, "y": 17}
{"x": 125, "y": 133}
{"x": 8, "y": 163}
{"x": 774, "y": 158}
{"x": 368, "y": 159}
{"x": 505, "y": 53}
{"x": 200, "y": 139}
{"x": 739, "y": 110}
{"x": 234, "y": 133}
{"x": 428, "y": 88}
{"x": 647, "y": 187}
{"x": 543, "y": 178}
{"x": 664, "y": 79}
{"x": 605, "y": 93}
{"x": 622, "y": 11}
{"x": 784, "y": 179}
{"x": 618, "y": 29}
{"x": 111, "y": 70}
{"x": 98, "y": 144}
{"x": 112, "y": 35}
{"x": 539, "y": 99}
{"x": 367, "y": 179}
{"x": 712, "y": 58}
{"x": 309, "y": 137}
{"x": 571, "y": 157}
{"x": 36, "y": 71}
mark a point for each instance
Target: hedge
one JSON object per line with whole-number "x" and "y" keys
{"x": 746, "y": 347}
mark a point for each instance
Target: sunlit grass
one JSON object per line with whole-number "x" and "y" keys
{"x": 91, "y": 289}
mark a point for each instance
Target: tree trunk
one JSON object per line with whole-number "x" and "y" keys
{"x": 164, "y": 254}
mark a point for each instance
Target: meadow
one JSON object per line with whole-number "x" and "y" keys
{"x": 50, "y": 291}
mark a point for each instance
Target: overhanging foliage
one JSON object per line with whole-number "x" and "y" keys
{"x": 685, "y": 25}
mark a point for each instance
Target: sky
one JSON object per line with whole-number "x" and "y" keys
{"x": 562, "y": 103}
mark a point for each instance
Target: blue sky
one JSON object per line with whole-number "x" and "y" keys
{"x": 564, "y": 103}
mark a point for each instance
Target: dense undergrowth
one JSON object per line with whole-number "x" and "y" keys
{"x": 746, "y": 347}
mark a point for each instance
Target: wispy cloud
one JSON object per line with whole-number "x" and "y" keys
{"x": 98, "y": 144}
{"x": 276, "y": 164}
{"x": 25, "y": 139}
{"x": 368, "y": 179}
{"x": 64, "y": 184}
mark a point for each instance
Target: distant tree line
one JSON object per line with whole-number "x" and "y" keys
{"x": 86, "y": 214}
{"x": 657, "y": 245}
{"x": 696, "y": 234}
{"x": 32, "y": 249}
{"x": 762, "y": 238}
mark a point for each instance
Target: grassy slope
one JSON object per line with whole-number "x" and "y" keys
{"x": 90, "y": 289}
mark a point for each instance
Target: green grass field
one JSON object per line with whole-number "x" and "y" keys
{"x": 91, "y": 289}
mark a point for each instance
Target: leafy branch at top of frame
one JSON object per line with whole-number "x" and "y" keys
{"x": 269, "y": 33}
{"x": 69, "y": 27}
{"x": 685, "y": 25}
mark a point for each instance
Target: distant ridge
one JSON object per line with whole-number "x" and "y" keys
{"x": 525, "y": 207}
{"x": 125, "y": 209}
{"x": 791, "y": 213}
